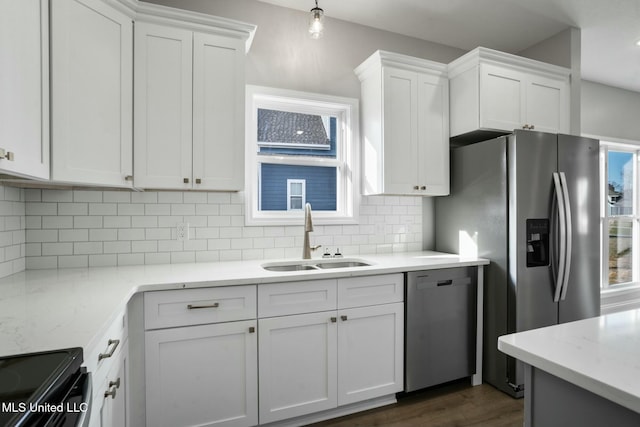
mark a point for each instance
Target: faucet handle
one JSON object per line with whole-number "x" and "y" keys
{"x": 326, "y": 253}
{"x": 337, "y": 254}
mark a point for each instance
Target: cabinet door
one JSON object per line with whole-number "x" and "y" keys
{"x": 202, "y": 375}
{"x": 297, "y": 365}
{"x": 433, "y": 135}
{"x": 91, "y": 75}
{"x": 114, "y": 394}
{"x": 502, "y": 98}
{"x": 547, "y": 104}
{"x": 400, "y": 131}
{"x": 370, "y": 352}
{"x": 163, "y": 107}
{"x": 218, "y": 112}
{"x": 24, "y": 85}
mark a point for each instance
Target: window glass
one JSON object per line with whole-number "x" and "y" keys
{"x": 620, "y": 220}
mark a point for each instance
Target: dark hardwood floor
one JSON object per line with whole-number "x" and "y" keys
{"x": 452, "y": 405}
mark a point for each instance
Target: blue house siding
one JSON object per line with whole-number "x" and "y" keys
{"x": 320, "y": 186}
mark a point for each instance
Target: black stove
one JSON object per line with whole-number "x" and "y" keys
{"x": 44, "y": 389}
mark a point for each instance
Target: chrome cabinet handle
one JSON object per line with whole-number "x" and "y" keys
{"x": 416, "y": 187}
{"x": 185, "y": 180}
{"x": 252, "y": 329}
{"x": 108, "y": 354}
{"x": 197, "y": 307}
{"x": 198, "y": 181}
{"x": 424, "y": 187}
{"x": 334, "y": 320}
{"x": 115, "y": 383}
{"x": 343, "y": 318}
{"x": 128, "y": 178}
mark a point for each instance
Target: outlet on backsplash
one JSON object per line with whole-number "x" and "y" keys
{"x": 182, "y": 231}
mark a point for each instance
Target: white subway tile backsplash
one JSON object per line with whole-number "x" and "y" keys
{"x": 57, "y": 196}
{"x": 57, "y": 222}
{"x": 170, "y": 197}
{"x": 116, "y": 221}
{"x": 144, "y": 197}
{"x": 60, "y": 228}
{"x": 130, "y": 209}
{"x": 76, "y": 235}
{"x": 116, "y": 247}
{"x": 131, "y": 234}
{"x": 57, "y": 249}
{"x": 87, "y": 196}
{"x": 87, "y": 248}
{"x": 117, "y": 197}
{"x": 73, "y": 208}
{"x": 73, "y": 261}
{"x": 102, "y": 209}
{"x": 38, "y": 208}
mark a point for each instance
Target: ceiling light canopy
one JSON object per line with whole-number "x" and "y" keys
{"x": 316, "y": 22}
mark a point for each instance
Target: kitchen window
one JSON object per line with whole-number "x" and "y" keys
{"x": 300, "y": 148}
{"x": 620, "y": 217}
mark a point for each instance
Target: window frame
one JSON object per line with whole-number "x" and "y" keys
{"x": 632, "y": 147}
{"x": 346, "y": 161}
{"x": 302, "y": 195}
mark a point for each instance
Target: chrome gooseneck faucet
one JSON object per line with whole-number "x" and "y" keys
{"x": 308, "y": 227}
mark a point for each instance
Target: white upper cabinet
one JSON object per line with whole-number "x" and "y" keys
{"x": 24, "y": 88}
{"x": 405, "y": 129}
{"x": 498, "y": 92}
{"x": 189, "y": 96}
{"x": 91, "y": 78}
{"x": 163, "y": 102}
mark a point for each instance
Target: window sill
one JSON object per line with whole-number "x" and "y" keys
{"x": 624, "y": 298}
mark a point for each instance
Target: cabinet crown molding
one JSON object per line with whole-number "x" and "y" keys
{"x": 486, "y": 55}
{"x": 384, "y": 58}
{"x": 196, "y": 21}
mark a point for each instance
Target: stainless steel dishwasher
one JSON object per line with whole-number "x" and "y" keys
{"x": 440, "y": 341}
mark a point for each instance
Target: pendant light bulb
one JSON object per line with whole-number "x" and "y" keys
{"x": 316, "y": 22}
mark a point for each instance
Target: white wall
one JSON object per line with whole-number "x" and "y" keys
{"x": 610, "y": 112}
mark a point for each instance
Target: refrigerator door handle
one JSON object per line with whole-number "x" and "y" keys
{"x": 563, "y": 236}
{"x": 569, "y": 236}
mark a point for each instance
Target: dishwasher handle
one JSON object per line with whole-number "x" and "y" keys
{"x": 426, "y": 282}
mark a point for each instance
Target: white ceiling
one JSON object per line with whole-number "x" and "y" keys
{"x": 610, "y": 28}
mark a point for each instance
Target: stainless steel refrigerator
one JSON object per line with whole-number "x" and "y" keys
{"x": 529, "y": 202}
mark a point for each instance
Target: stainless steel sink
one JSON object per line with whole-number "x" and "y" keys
{"x": 319, "y": 264}
{"x": 342, "y": 264}
{"x": 289, "y": 267}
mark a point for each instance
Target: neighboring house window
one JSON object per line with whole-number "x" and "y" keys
{"x": 296, "y": 194}
{"x": 301, "y": 148}
{"x": 620, "y": 215}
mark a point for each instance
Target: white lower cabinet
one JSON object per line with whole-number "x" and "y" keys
{"x": 370, "y": 352}
{"x": 315, "y": 346}
{"x": 298, "y": 365}
{"x": 202, "y": 375}
{"x": 114, "y": 393}
{"x": 317, "y": 361}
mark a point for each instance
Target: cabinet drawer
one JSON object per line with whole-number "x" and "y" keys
{"x": 370, "y": 290}
{"x": 166, "y": 309}
{"x": 280, "y": 299}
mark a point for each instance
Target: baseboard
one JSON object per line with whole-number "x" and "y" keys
{"x": 335, "y": 413}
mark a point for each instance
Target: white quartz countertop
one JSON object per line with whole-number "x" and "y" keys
{"x": 50, "y": 309}
{"x": 601, "y": 355}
